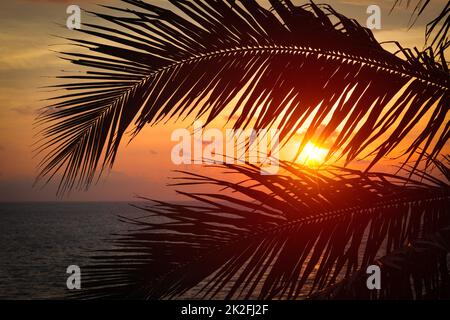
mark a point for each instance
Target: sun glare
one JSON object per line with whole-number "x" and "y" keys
{"x": 312, "y": 155}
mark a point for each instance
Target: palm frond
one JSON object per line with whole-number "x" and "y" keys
{"x": 286, "y": 236}
{"x": 303, "y": 65}
{"x": 419, "y": 270}
{"x": 437, "y": 29}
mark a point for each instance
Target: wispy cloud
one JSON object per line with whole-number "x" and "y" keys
{"x": 365, "y": 3}
{"x": 16, "y": 57}
{"x": 25, "y": 111}
{"x": 62, "y": 1}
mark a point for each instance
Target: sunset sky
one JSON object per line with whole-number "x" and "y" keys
{"x": 28, "y": 62}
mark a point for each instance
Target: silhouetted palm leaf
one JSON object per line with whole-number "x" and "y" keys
{"x": 416, "y": 271}
{"x": 292, "y": 63}
{"x": 437, "y": 30}
{"x": 284, "y": 236}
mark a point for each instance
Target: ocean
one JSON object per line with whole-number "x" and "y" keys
{"x": 38, "y": 241}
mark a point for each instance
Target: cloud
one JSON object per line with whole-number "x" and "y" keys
{"x": 117, "y": 186}
{"x": 2, "y": 148}
{"x": 153, "y": 152}
{"x": 61, "y": 1}
{"x": 365, "y": 3}
{"x": 19, "y": 57}
{"x": 25, "y": 111}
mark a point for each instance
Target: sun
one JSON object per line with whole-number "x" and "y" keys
{"x": 312, "y": 155}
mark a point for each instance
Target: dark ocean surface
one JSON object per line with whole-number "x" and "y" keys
{"x": 38, "y": 241}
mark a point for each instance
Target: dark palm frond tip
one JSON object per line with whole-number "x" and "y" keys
{"x": 150, "y": 64}
{"x": 269, "y": 237}
{"x": 416, "y": 271}
{"x": 437, "y": 30}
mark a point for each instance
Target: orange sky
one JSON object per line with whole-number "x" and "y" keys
{"x": 142, "y": 167}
